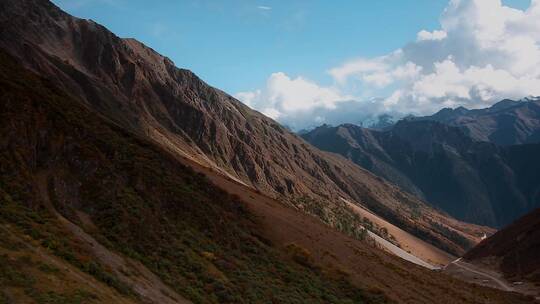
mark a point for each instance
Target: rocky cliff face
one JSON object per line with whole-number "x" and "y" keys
{"x": 474, "y": 181}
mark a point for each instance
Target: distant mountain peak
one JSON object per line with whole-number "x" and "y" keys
{"x": 474, "y": 181}
{"x": 507, "y": 122}
{"x": 532, "y": 98}
{"x": 505, "y": 104}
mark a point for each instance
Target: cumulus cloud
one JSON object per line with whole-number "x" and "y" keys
{"x": 285, "y": 96}
{"x": 359, "y": 67}
{"x": 435, "y": 35}
{"x": 483, "y": 52}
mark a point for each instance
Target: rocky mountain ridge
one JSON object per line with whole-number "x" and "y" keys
{"x": 474, "y": 181}
{"x": 508, "y": 122}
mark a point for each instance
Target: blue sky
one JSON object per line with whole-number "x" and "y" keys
{"x": 236, "y": 45}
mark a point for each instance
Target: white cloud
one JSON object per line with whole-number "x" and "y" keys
{"x": 283, "y": 94}
{"x": 473, "y": 87}
{"x": 359, "y": 66}
{"x": 483, "y": 52}
{"x": 249, "y": 98}
{"x": 265, "y": 8}
{"x": 386, "y": 77}
{"x": 435, "y": 35}
{"x": 272, "y": 113}
{"x": 299, "y": 94}
{"x": 294, "y": 101}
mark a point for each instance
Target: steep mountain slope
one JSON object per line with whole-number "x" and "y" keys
{"x": 473, "y": 181}
{"x": 514, "y": 249}
{"x": 507, "y": 122}
{"x": 123, "y": 211}
{"x": 31, "y": 274}
{"x": 82, "y": 198}
{"x": 142, "y": 91}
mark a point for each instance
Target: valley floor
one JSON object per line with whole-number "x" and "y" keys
{"x": 477, "y": 273}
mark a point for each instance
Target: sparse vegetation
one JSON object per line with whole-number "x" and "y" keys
{"x": 16, "y": 273}
{"x": 453, "y": 235}
{"x": 41, "y": 225}
{"x": 336, "y": 215}
{"x": 198, "y": 239}
{"x": 341, "y": 217}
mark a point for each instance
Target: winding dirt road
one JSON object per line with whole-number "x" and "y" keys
{"x": 468, "y": 267}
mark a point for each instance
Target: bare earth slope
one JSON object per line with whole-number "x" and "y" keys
{"x": 422, "y": 250}
{"x": 143, "y": 91}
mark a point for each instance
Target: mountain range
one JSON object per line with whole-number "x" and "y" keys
{"x": 124, "y": 179}
{"x": 508, "y": 122}
{"x": 439, "y": 159}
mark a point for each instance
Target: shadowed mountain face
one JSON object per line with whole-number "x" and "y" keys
{"x": 515, "y": 249}
{"x": 473, "y": 181}
{"x": 138, "y": 89}
{"x": 507, "y": 122}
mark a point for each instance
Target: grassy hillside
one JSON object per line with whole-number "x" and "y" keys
{"x": 63, "y": 168}
{"x": 31, "y": 274}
